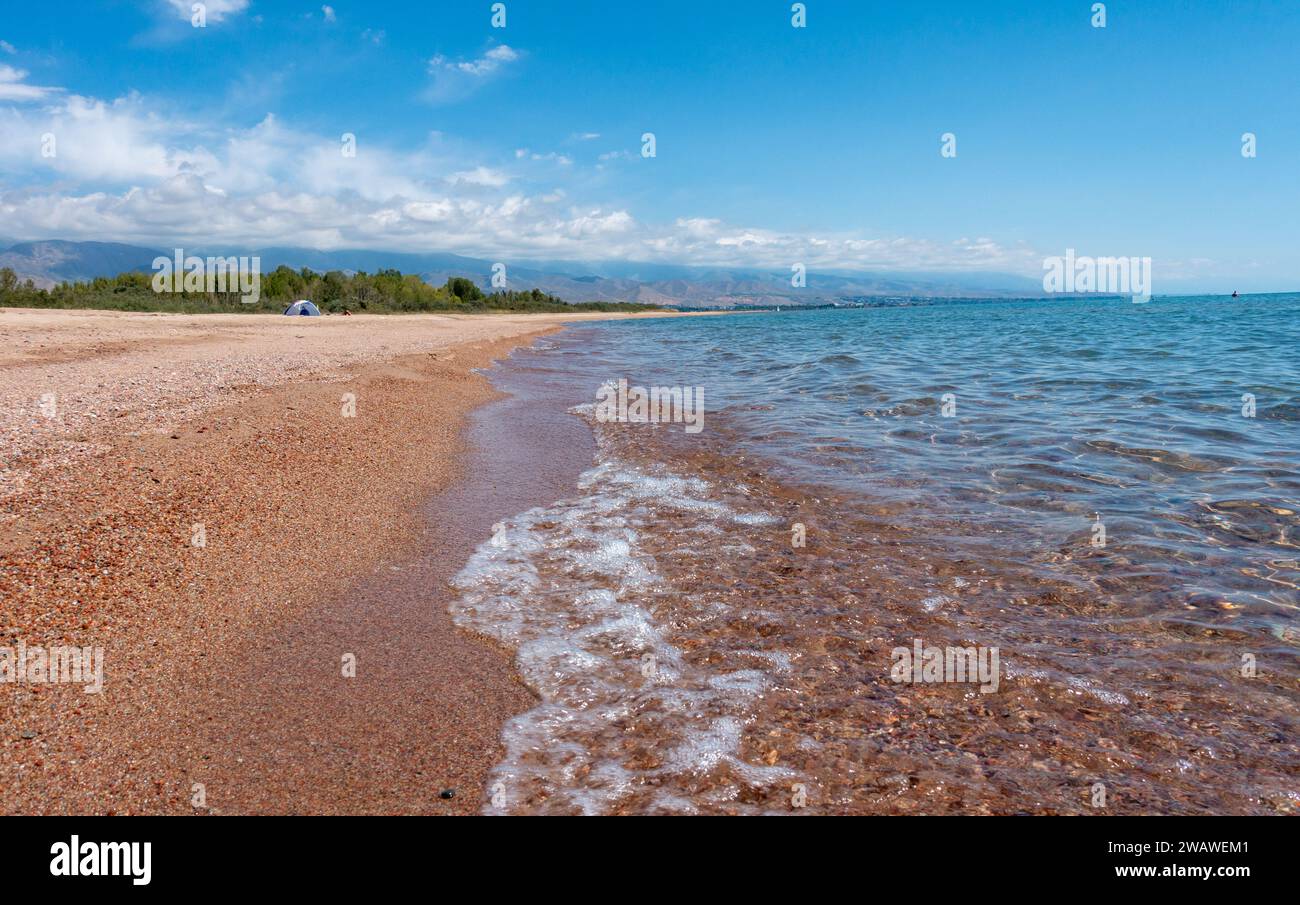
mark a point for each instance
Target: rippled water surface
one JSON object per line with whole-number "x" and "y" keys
{"x": 1105, "y": 492}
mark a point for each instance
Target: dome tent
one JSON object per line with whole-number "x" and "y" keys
{"x": 303, "y": 307}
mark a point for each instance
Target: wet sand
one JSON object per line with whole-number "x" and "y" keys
{"x": 224, "y": 682}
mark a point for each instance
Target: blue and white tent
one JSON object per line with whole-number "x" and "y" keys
{"x": 304, "y": 308}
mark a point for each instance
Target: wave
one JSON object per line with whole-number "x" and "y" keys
{"x": 571, "y": 587}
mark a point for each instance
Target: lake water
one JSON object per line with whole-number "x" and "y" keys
{"x": 1105, "y": 494}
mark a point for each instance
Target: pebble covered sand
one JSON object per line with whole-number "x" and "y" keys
{"x": 120, "y": 434}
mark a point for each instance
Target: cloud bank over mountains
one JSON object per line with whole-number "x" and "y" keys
{"x": 134, "y": 169}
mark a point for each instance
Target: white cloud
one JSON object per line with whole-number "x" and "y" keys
{"x": 562, "y": 159}
{"x": 7, "y": 47}
{"x": 216, "y": 10}
{"x": 328, "y": 13}
{"x": 12, "y": 87}
{"x": 132, "y": 170}
{"x": 113, "y": 142}
{"x": 456, "y": 79}
{"x": 489, "y": 63}
{"x": 185, "y": 209}
{"x": 484, "y": 176}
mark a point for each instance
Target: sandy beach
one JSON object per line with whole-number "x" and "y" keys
{"x": 230, "y": 507}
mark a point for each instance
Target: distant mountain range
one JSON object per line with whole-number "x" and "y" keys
{"x": 53, "y": 261}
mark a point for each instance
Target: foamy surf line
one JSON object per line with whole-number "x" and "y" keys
{"x": 627, "y": 721}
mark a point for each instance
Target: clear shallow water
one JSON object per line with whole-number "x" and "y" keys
{"x": 1062, "y": 412}
{"x": 691, "y": 658}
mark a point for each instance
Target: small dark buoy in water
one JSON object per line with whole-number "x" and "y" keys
{"x": 447, "y": 794}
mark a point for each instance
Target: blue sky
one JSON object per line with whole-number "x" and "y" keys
{"x": 774, "y": 144}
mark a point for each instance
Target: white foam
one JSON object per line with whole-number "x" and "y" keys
{"x": 935, "y": 602}
{"x": 1109, "y": 697}
{"x": 754, "y": 518}
{"x": 572, "y": 589}
{"x": 1076, "y": 684}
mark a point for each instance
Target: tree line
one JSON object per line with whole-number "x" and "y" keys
{"x": 388, "y": 291}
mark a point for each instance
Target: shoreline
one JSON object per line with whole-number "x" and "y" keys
{"x": 330, "y": 536}
{"x": 223, "y": 661}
